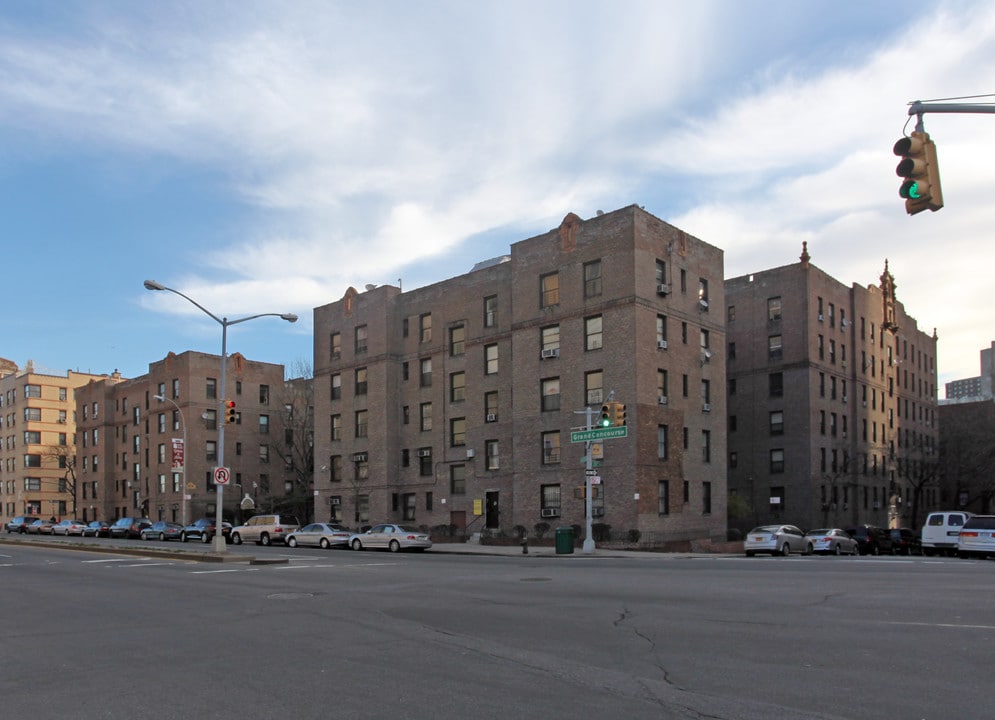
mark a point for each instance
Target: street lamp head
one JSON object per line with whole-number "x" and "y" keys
{"x": 160, "y": 398}
{"x": 289, "y": 317}
{"x": 153, "y": 285}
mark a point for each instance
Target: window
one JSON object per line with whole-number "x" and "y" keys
{"x": 490, "y": 311}
{"x": 774, "y": 351}
{"x": 706, "y": 392}
{"x": 592, "y": 279}
{"x": 706, "y": 498}
{"x": 592, "y": 333}
{"x": 32, "y": 460}
{"x": 176, "y": 388}
{"x": 549, "y": 290}
{"x": 594, "y": 387}
{"x": 425, "y": 416}
{"x": 457, "y": 479}
{"x": 264, "y": 424}
{"x": 773, "y": 308}
{"x": 777, "y": 422}
{"x": 425, "y": 462}
{"x": 210, "y": 420}
{"x": 335, "y": 345}
{"x": 360, "y": 335}
{"x": 457, "y": 432}
{"x": 335, "y": 468}
{"x": 32, "y": 483}
{"x": 704, "y": 339}
{"x": 549, "y": 500}
{"x": 426, "y": 372}
{"x": 336, "y": 386}
{"x": 777, "y": 499}
{"x": 661, "y": 272}
{"x": 775, "y": 384}
{"x": 32, "y": 437}
{"x": 551, "y": 447}
{"x": 684, "y": 281}
{"x": 822, "y": 347}
{"x": 661, "y": 329}
{"x": 457, "y": 340}
{"x": 550, "y": 337}
{"x": 32, "y": 413}
{"x": 362, "y": 418}
{"x": 662, "y": 442}
{"x": 777, "y": 461}
{"x": 706, "y": 446}
{"x": 684, "y": 332}
{"x": 491, "y": 405}
{"x": 32, "y": 391}
{"x": 663, "y": 497}
{"x": 211, "y": 451}
{"x": 264, "y": 453}
{"x": 457, "y": 387}
{"x": 336, "y": 424}
{"x": 662, "y": 384}
{"x": 493, "y": 459}
{"x": 211, "y": 388}
{"x": 703, "y": 293}
{"x": 490, "y": 359}
{"x": 264, "y": 394}
{"x": 425, "y": 328}
{"x": 550, "y": 399}
{"x": 732, "y": 351}
{"x": 360, "y": 381}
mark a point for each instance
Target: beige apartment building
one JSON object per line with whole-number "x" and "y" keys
{"x": 37, "y": 454}
{"x": 453, "y": 404}
{"x": 132, "y": 459}
{"x": 832, "y": 395}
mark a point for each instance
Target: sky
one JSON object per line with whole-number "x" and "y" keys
{"x": 262, "y": 157}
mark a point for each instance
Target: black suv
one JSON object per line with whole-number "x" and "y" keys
{"x": 871, "y": 540}
{"x": 906, "y": 541}
{"x": 129, "y": 527}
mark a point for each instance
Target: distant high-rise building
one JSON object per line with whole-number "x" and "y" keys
{"x": 975, "y": 388}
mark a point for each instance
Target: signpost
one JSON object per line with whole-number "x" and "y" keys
{"x": 592, "y": 436}
{"x": 221, "y": 475}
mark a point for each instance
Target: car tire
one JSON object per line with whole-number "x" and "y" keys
{"x": 162, "y": 537}
{"x": 357, "y": 545}
{"x": 183, "y": 537}
{"x": 809, "y": 550}
{"x": 838, "y": 550}
{"x": 875, "y": 550}
{"x": 394, "y": 546}
{"x": 291, "y": 541}
{"x": 205, "y": 538}
{"x": 264, "y": 540}
{"x": 785, "y": 550}
{"x": 324, "y": 544}
{"x": 236, "y": 539}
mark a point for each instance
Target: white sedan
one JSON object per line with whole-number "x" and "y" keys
{"x": 832, "y": 540}
{"x": 776, "y": 540}
{"x": 392, "y": 537}
{"x": 320, "y": 535}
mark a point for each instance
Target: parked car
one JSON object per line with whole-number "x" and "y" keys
{"x": 871, "y": 540}
{"x": 97, "y": 528}
{"x": 20, "y": 523}
{"x": 162, "y": 530}
{"x": 129, "y": 527}
{"x": 204, "y": 530}
{"x": 322, "y": 535}
{"x": 41, "y": 526}
{"x": 832, "y": 540}
{"x": 776, "y": 540}
{"x": 940, "y": 531}
{"x": 392, "y": 537}
{"x": 977, "y": 537}
{"x": 905, "y": 541}
{"x": 63, "y": 527}
{"x": 265, "y": 529}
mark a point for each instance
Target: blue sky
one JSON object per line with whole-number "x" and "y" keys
{"x": 264, "y": 156}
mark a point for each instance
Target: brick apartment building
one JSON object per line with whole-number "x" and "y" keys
{"x": 37, "y": 427}
{"x": 125, "y": 444}
{"x": 453, "y": 404}
{"x": 832, "y": 395}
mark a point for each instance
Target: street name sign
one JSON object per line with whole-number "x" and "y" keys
{"x": 607, "y": 433}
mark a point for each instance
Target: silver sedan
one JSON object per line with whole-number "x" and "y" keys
{"x": 392, "y": 537}
{"x": 776, "y": 540}
{"x": 321, "y": 535}
{"x": 832, "y": 540}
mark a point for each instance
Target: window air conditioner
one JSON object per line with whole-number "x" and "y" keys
{"x": 360, "y": 457}
{"x": 704, "y": 304}
{"x": 471, "y": 453}
{"x": 706, "y": 407}
{"x": 425, "y": 452}
{"x": 549, "y": 512}
{"x": 663, "y": 289}
{"x": 550, "y": 353}
{"x": 491, "y": 417}
{"x": 820, "y": 317}
{"x": 661, "y": 344}
{"x": 663, "y": 400}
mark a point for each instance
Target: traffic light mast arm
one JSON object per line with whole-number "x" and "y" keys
{"x": 920, "y": 108}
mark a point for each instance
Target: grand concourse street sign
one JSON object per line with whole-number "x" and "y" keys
{"x": 607, "y": 433}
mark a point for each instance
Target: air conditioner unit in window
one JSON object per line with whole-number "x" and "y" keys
{"x": 550, "y": 353}
{"x": 663, "y": 400}
{"x": 62, "y": 421}
{"x": 471, "y": 453}
{"x": 491, "y": 417}
{"x": 844, "y": 323}
{"x": 425, "y": 452}
{"x": 661, "y": 344}
{"x": 549, "y": 512}
{"x": 663, "y": 289}
{"x": 360, "y": 457}
{"x": 706, "y": 407}
{"x": 704, "y": 304}
{"x": 820, "y": 317}
{"x": 844, "y": 398}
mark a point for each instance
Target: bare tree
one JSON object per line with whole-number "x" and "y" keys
{"x": 295, "y": 447}
{"x": 65, "y": 457}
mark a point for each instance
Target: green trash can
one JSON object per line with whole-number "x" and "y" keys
{"x": 564, "y": 540}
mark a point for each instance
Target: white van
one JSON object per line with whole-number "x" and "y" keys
{"x": 940, "y": 533}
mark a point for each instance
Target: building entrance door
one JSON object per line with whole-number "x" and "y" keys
{"x": 492, "y": 511}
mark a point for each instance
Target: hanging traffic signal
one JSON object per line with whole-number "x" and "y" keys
{"x": 618, "y": 414}
{"x": 606, "y": 414}
{"x": 921, "y": 187}
{"x": 230, "y": 413}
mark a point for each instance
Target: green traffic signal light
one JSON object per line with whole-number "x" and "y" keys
{"x": 606, "y": 415}
{"x": 910, "y": 190}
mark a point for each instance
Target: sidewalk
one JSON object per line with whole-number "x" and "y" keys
{"x": 469, "y": 548}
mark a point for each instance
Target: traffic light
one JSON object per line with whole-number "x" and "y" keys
{"x": 921, "y": 187}
{"x": 618, "y": 414}
{"x": 230, "y": 413}
{"x": 606, "y": 414}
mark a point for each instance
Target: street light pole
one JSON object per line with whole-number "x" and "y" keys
{"x": 219, "y": 538}
{"x": 183, "y": 485}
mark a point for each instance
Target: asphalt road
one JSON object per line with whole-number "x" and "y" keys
{"x": 338, "y": 634}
